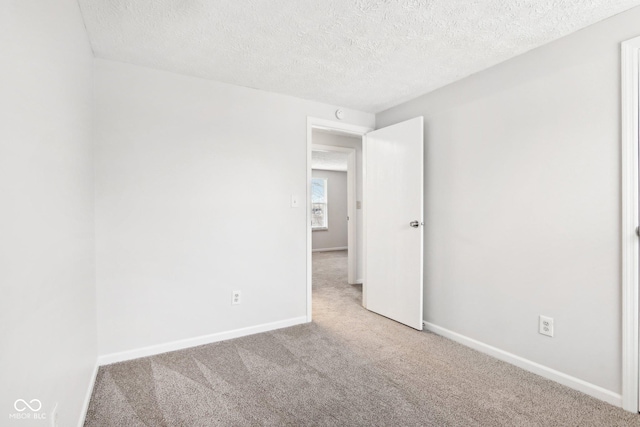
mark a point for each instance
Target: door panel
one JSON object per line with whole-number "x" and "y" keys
{"x": 393, "y": 198}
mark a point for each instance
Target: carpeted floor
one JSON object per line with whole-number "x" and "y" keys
{"x": 349, "y": 367}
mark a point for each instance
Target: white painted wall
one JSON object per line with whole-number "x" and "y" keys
{"x": 47, "y": 277}
{"x": 522, "y": 202}
{"x": 336, "y": 236}
{"x": 193, "y": 189}
{"x": 325, "y": 138}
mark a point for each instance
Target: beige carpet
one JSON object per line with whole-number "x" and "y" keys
{"x": 347, "y": 368}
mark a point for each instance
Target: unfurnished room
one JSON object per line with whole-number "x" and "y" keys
{"x": 332, "y": 213}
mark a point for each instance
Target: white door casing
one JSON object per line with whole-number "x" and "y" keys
{"x": 630, "y": 70}
{"x": 393, "y": 198}
{"x": 317, "y": 123}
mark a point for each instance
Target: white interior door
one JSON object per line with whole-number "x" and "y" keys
{"x": 393, "y": 200}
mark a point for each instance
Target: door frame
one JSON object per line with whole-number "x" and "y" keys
{"x": 629, "y": 240}
{"x": 352, "y": 222}
{"x": 323, "y": 124}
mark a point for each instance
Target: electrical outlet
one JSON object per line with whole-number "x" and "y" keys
{"x": 235, "y": 297}
{"x": 545, "y": 326}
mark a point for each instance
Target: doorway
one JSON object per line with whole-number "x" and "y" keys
{"x": 392, "y": 217}
{"x": 336, "y": 140}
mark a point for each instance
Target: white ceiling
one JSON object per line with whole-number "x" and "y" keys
{"x": 329, "y": 160}
{"x": 363, "y": 54}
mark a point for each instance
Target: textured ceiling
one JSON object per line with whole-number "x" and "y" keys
{"x": 363, "y": 54}
{"x": 329, "y": 160}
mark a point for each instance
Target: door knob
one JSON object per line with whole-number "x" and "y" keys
{"x": 414, "y": 224}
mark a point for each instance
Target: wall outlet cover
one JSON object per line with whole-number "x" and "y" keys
{"x": 236, "y": 297}
{"x": 545, "y": 326}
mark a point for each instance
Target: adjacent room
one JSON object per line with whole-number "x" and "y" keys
{"x": 330, "y": 225}
{"x": 336, "y": 210}
{"x": 230, "y": 213}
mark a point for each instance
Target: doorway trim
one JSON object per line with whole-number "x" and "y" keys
{"x": 630, "y": 246}
{"x": 323, "y": 124}
{"x": 352, "y": 220}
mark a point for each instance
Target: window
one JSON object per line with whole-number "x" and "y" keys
{"x": 319, "y": 212}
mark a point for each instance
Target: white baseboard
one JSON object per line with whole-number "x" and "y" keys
{"x": 107, "y": 359}
{"x": 536, "y": 368}
{"x": 341, "y": 248}
{"x": 87, "y": 398}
